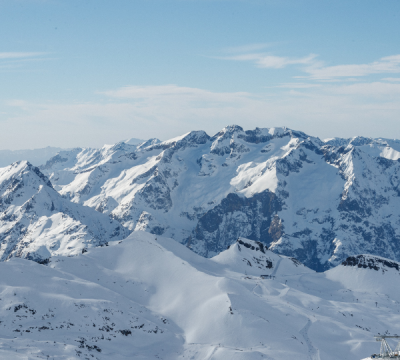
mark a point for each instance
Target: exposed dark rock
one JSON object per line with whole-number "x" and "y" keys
{"x": 258, "y": 211}
{"x": 370, "y": 262}
{"x": 260, "y": 246}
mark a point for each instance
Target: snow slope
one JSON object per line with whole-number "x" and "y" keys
{"x": 36, "y": 222}
{"x": 317, "y": 201}
{"x": 150, "y": 297}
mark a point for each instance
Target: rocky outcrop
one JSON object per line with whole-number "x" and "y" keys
{"x": 236, "y": 216}
{"x": 371, "y": 262}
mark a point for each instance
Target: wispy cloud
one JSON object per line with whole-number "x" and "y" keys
{"x": 385, "y": 65}
{"x": 166, "y": 92}
{"x": 391, "y": 79}
{"x": 12, "y": 60}
{"x": 298, "y": 85}
{"x": 316, "y": 69}
{"x": 19, "y": 55}
{"x": 272, "y": 61}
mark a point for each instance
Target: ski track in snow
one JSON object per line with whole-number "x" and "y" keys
{"x": 213, "y": 352}
{"x": 313, "y": 352}
{"x": 276, "y": 267}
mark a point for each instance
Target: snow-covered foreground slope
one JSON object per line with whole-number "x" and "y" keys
{"x": 150, "y": 297}
{"x": 317, "y": 201}
{"x": 36, "y": 222}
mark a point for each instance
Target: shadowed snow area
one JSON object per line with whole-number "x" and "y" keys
{"x": 150, "y": 297}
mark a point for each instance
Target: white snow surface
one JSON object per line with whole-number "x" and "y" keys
{"x": 149, "y": 297}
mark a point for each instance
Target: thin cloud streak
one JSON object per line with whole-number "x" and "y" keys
{"x": 298, "y": 85}
{"x": 164, "y": 92}
{"x": 16, "y": 60}
{"x": 19, "y": 55}
{"x": 271, "y": 61}
{"x": 391, "y": 79}
{"x": 317, "y": 70}
{"x": 388, "y": 64}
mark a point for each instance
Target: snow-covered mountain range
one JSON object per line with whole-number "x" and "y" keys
{"x": 36, "y": 222}
{"x": 114, "y": 233}
{"x": 318, "y": 201}
{"x": 149, "y": 297}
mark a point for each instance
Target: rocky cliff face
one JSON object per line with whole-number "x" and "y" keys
{"x": 318, "y": 201}
{"x": 36, "y": 222}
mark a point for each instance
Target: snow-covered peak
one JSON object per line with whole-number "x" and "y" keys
{"x": 150, "y": 142}
{"x": 36, "y": 222}
{"x": 253, "y": 258}
{"x": 227, "y": 131}
{"x": 259, "y": 135}
{"x": 360, "y": 141}
{"x": 122, "y": 146}
{"x": 134, "y": 141}
{"x": 277, "y": 131}
{"x": 23, "y": 170}
{"x": 368, "y": 273}
{"x": 191, "y": 138}
{"x": 227, "y": 141}
{"x": 336, "y": 141}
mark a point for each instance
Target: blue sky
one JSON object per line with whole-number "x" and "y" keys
{"x": 85, "y": 73}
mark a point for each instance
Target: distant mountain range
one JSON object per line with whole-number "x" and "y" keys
{"x": 39, "y": 156}
{"x": 318, "y": 201}
{"x": 35, "y": 156}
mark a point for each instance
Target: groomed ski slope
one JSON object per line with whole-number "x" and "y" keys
{"x": 149, "y": 297}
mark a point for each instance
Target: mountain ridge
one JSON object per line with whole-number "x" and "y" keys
{"x": 316, "y": 201}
